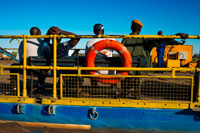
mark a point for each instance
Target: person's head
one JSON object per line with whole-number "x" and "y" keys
{"x": 160, "y": 32}
{"x": 54, "y": 31}
{"x": 98, "y": 29}
{"x": 136, "y": 26}
{"x": 35, "y": 31}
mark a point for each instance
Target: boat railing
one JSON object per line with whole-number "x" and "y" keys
{"x": 176, "y": 88}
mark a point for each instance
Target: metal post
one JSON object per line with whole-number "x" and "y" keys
{"x": 54, "y": 66}
{"x": 24, "y": 66}
{"x": 18, "y": 86}
{"x": 198, "y": 95}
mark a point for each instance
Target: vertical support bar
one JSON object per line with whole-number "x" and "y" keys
{"x": 61, "y": 86}
{"x": 54, "y": 66}
{"x": 79, "y": 71}
{"x": 198, "y": 95}
{"x": 1, "y": 70}
{"x": 173, "y": 73}
{"x": 24, "y": 66}
{"x": 18, "y": 86}
{"x": 198, "y": 91}
{"x": 192, "y": 90}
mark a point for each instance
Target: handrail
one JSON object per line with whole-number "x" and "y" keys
{"x": 104, "y": 68}
{"x": 102, "y": 36}
{"x": 55, "y": 67}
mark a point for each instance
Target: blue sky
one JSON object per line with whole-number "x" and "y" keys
{"x": 79, "y": 16}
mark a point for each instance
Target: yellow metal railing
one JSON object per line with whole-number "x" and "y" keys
{"x": 79, "y": 69}
{"x": 101, "y": 36}
{"x": 12, "y": 88}
{"x": 71, "y": 81}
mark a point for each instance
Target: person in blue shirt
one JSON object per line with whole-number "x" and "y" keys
{"x": 161, "y": 51}
{"x": 62, "y": 48}
{"x": 161, "y": 48}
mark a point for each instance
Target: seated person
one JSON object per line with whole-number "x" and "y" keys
{"x": 34, "y": 47}
{"x": 62, "y": 48}
{"x": 99, "y": 30}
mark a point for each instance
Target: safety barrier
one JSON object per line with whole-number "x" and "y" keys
{"x": 145, "y": 87}
{"x": 9, "y": 84}
{"x": 138, "y": 87}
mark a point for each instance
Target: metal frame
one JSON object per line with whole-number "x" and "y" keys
{"x": 85, "y": 102}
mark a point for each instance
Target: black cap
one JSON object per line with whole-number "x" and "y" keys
{"x": 98, "y": 27}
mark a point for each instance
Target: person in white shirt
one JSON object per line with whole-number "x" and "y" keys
{"x": 99, "y": 30}
{"x": 34, "y": 47}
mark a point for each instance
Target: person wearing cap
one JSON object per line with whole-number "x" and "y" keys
{"x": 140, "y": 49}
{"x": 99, "y": 30}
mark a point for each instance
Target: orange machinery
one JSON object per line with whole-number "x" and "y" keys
{"x": 175, "y": 56}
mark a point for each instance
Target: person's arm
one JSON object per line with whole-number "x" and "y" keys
{"x": 174, "y": 42}
{"x": 73, "y": 41}
{"x": 183, "y": 35}
{"x": 49, "y": 32}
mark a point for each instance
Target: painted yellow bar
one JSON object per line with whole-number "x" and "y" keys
{"x": 18, "y": 85}
{"x": 51, "y": 67}
{"x": 173, "y": 73}
{"x": 54, "y": 65}
{"x": 9, "y": 74}
{"x": 123, "y": 76}
{"x": 192, "y": 89}
{"x": 15, "y": 99}
{"x": 61, "y": 86}
{"x": 119, "y": 103}
{"x": 48, "y": 125}
{"x": 1, "y": 70}
{"x": 14, "y": 67}
{"x": 105, "y": 68}
{"x": 199, "y": 89}
{"x": 24, "y": 66}
{"x": 136, "y": 68}
{"x": 195, "y": 105}
{"x": 67, "y": 68}
{"x": 12, "y": 36}
{"x": 11, "y": 48}
{"x": 102, "y": 36}
{"x": 39, "y": 67}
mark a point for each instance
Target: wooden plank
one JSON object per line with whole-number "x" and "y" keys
{"x": 48, "y": 125}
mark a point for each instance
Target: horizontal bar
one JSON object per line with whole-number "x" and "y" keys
{"x": 119, "y": 103}
{"x": 11, "y": 48}
{"x": 105, "y": 68}
{"x": 125, "y": 76}
{"x": 102, "y": 36}
{"x": 39, "y": 67}
{"x": 13, "y": 67}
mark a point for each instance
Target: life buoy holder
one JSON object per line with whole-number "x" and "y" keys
{"x": 109, "y": 44}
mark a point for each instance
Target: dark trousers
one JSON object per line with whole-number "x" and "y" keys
{"x": 160, "y": 60}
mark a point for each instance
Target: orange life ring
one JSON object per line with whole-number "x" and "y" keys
{"x": 109, "y": 44}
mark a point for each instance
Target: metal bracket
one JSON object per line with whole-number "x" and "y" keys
{"x": 93, "y": 114}
{"x": 20, "y": 108}
{"x": 51, "y": 109}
